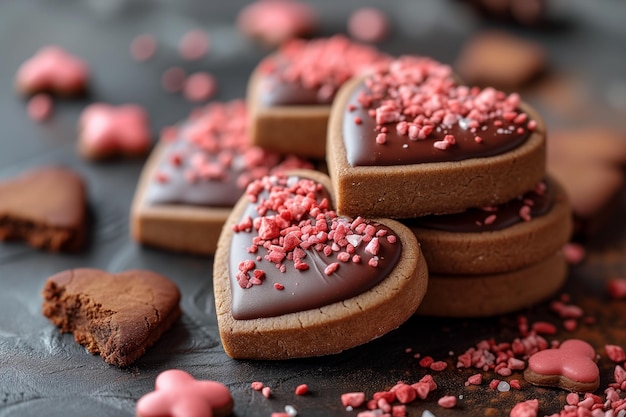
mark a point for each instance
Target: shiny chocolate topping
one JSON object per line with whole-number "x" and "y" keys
{"x": 288, "y": 288}
{"x": 208, "y": 160}
{"x": 414, "y": 112}
{"x": 533, "y": 204}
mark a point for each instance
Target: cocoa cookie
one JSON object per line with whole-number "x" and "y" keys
{"x": 44, "y": 207}
{"x": 423, "y": 144}
{"x": 492, "y": 294}
{"x": 500, "y": 59}
{"x": 118, "y": 315}
{"x": 292, "y": 279}
{"x": 290, "y": 103}
{"x": 194, "y": 177}
{"x": 497, "y": 239}
{"x": 572, "y": 366}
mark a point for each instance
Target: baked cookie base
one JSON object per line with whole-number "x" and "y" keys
{"x": 515, "y": 247}
{"x": 493, "y": 294}
{"x": 408, "y": 191}
{"x": 329, "y": 329}
{"x": 175, "y": 227}
{"x": 296, "y": 130}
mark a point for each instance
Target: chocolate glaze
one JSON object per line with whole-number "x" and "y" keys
{"x": 178, "y": 190}
{"x": 362, "y": 149}
{"x": 507, "y": 214}
{"x": 308, "y": 289}
{"x": 273, "y": 91}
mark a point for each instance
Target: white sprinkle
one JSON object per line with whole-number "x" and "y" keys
{"x": 406, "y": 145}
{"x": 460, "y": 396}
{"x": 349, "y": 408}
{"x": 504, "y": 386}
{"x": 354, "y": 240}
{"x": 291, "y": 410}
{"x": 427, "y": 413}
{"x": 464, "y": 122}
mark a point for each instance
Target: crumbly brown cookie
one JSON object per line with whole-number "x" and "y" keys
{"x": 387, "y": 158}
{"x": 493, "y": 294}
{"x": 571, "y": 366}
{"x": 194, "y": 177}
{"x": 309, "y": 292}
{"x": 500, "y": 238}
{"x": 44, "y": 207}
{"x": 118, "y": 315}
{"x": 500, "y": 59}
{"x": 290, "y": 103}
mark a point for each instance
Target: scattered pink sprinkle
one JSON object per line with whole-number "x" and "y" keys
{"x": 438, "y": 366}
{"x": 200, "y": 86}
{"x": 574, "y": 253}
{"x": 278, "y": 286}
{"x": 543, "y": 327}
{"x": 194, "y": 45}
{"x": 528, "y": 408}
{"x": 302, "y": 389}
{"x": 617, "y": 288}
{"x": 353, "y": 399}
{"x": 514, "y": 383}
{"x": 173, "y": 79}
{"x": 143, "y": 47}
{"x": 448, "y": 401}
{"x": 266, "y": 391}
{"x": 368, "y": 24}
{"x": 257, "y": 386}
{"x": 40, "y": 107}
{"x": 615, "y": 353}
{"x": 475, "y": 379}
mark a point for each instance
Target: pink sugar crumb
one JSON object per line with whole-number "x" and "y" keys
{"x": 542, "y": 327}
{"x": 353, "y": 399}
{"x": 199, "y": 86}
{"x": 194, "y": 45}
{"x": 528, "y": 408}
{"x": 279, "y": 286}
{"x": 331, "y": 268}
{"x": 475, "y": 379}
{"x": 40, "y": 107}
{"x": 266, "y": 391}
{"x": 381, "y": 138}
{"x": 515, "y": 384}
{"x": 368, "y": 24}
{"x": 257, "y": 386}
{"x": 615, "y": 353}
{"x": 143, "y": 47}
{"x": 448, "y": 401}
{"x": 524, "y": 213}
{"x": 438, "y": 366}
{"x": 302, "y": 389}
{"x": 616, "y": 288}
{"x": 574, "y": 253}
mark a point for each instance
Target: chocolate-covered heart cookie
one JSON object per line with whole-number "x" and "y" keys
{"x": 294, "y": 279}
{"x": 44, "y": 207}
{"x": 118, "y": 315}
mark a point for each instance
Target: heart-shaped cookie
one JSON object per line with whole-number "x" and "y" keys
{"x": 408, "y": 140}
{"x": 178, "y": 394}
{"x": 44, "y": 207}
{"x": 294, "y": 279}
{"x": 571, "y": 366}
{"x": 107, "y": 131}
{"x": 118, "y": 315}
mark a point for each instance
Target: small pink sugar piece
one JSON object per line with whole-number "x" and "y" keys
{"x": 475, "y": 379}
{"x": 438, "y": 366}
{"x": 405, "y": 393}
{"x": 257, "y": 385}
{"x": 543, "y": 327}
{"x": 331, "y": 268}
{"x": 280, "y": 414}
{"x": 40, "y": 107}
{"x": 615, "y": 353}
{"x": 143, "y": 47}
{"x": 173, "y": 79}
{"x": 266, "y": 391}
{"x": 194, "y": 45}
{"x": 514, "y": 383}
{"x": 574, "y": 253}
{"x": 448, "y": 401}
{"x": 199, "y": 86}
{"x": 572, "y": 398}
{"x": 279, "y": 286}
{"x": 368, "y": 24}
{"x": 398, "y": 410}
{"x": 617, "y": 288}
{"x": 528, "y": 408}
{"x": 302, "y": 389}
{"x": 353, "y": 399}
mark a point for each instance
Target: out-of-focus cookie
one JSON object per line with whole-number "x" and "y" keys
{"x": 118, "y": 315}
{"x": 408, "y": 141}
{"x": 492, "y": 294}
{"x": 194, "y": 177}
{"x": 292, "y": 279}
{"x": 178, "y": 394}
{"x": 496, "y": 239}
{"x": 46, "y": 207}
{"x": 52, "y": 69}
{"x": 501, "y": 60}
{"x": 571, "y": 366}
{"x": 290, "y": 92}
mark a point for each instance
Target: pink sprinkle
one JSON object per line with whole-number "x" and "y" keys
{"x": 572, "y": 398}
{"x": 524, "y": 213}
{"x": 368, "y": 24}
{"x": 617, "y": 288}
{"x": 490, "y": 219}
{"x": 493, "y": 384}
{"x": 475, "y": 379}
{"x": 478, "y": 139}
{"x": 302, "y": 389}
{"x": 405, "y": 393}
{"x": 331, "y": 268}
{"x": 532, "y": 125}
{"x": 358, "y": 120}
{"x": 257, "y": 386}
{"x": 353, "y": 399}
{"x": 381, "y": 138}
{"x": 278, "y": 286}
{"x": 173, "y": 79}
{"x": 426, "y": 361}
{"x": 441, "y": 144}
{"x": 615, "y": 353}
{"x": 438, "y": 366}
{"x": 528, "y": 408}
{"x": 448, "y": 401}
{"x": 143, "y": 47}
{"x": 40, "y": 107}
{"x": 194, "y": 45}
{"x": 574, "y": 253}
{"x": 200, "y": 86}
{"x": 514, "y": 383}
{"x": 266, "y": 391}
{"x": 543, "y": 327}
{"x": 570, "y": 325}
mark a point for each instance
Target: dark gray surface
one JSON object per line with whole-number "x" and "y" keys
{"x": 45, "y": 373}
